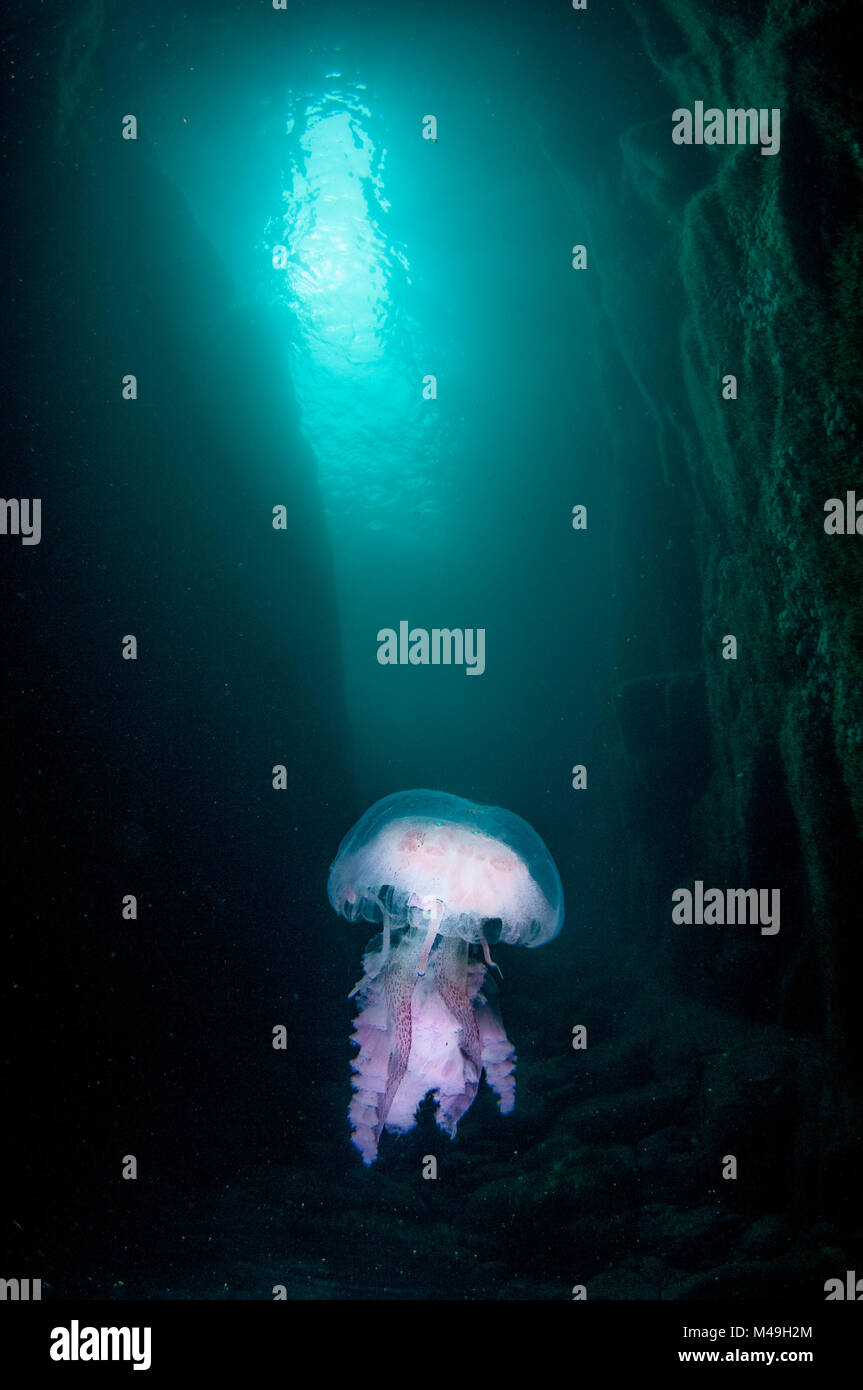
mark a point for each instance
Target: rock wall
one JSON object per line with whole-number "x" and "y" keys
{"x": 762, "y": 256}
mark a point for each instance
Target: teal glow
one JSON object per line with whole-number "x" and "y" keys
{"x": 357, "y": 357}
{"x": 337, "y": 273}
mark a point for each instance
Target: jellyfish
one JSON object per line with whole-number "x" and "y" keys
{"x": 446, "y": 879}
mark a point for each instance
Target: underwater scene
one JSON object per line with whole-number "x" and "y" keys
{"x": 431, "y": 539}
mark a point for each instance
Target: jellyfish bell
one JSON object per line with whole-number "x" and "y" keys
{"x": 441, "y": 875}
{"x": 481, "y": 863}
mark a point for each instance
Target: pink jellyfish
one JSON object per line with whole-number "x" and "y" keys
{"x": 444, "y": 877}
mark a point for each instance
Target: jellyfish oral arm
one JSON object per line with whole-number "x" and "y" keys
{"x": 398, "y": 988}
{"x": 451, "y": 980}
{"x": 498, "y": 1053}
{"x": 383, "y": 1031}
{"x": 373, "y": 960}
{"x": 434, "y": 907}
{"x": 425, "y": 1033}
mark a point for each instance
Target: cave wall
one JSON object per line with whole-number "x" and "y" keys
{"x": 758, "y": 259}
{"x": 746, "y": 772}
{"x": 769, "y": 255}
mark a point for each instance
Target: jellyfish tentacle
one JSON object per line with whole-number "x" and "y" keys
{"x": 427, "y": 945}
{"x": 486, "y": 953}
{"x": 434, "y": 907}
{"x": 498, "y": 1053}
{"x": 451, "y": 980}
{"x": 375, "y": 960}
{"x": 400, "y": 980}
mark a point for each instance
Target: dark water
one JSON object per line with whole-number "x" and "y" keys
{"x": 301, "y": 387}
